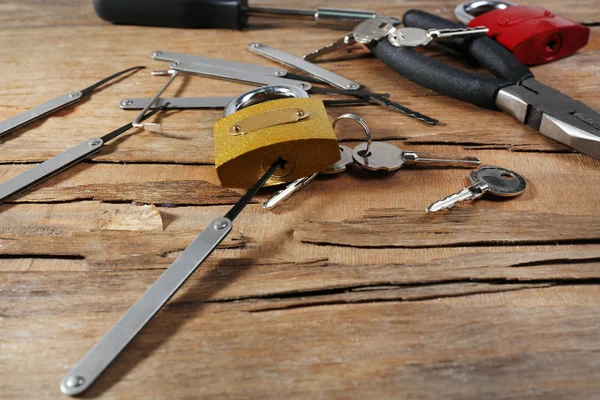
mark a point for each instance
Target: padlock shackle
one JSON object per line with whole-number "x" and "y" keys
{"x": 465, "y": 12}
{"x": 264, "y": 93}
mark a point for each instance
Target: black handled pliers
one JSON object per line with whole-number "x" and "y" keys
{"x": 514, "y": 90}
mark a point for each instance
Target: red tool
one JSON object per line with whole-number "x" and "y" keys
{"x": 533, "y": 34}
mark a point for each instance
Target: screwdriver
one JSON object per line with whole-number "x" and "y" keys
{"x": 226, "y": 14}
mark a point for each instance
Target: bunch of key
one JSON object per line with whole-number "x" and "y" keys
{"x": 381, "y": 27}
{"x": 373, "y": 156}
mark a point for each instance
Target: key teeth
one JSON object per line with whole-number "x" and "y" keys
{"x": 270, "y": 203}
{"x": 450, "y": 201}
{"x": 437, "y": 206}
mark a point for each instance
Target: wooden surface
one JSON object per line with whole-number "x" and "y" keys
{"x": 348, "y": 290}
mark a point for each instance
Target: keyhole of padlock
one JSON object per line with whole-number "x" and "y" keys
{"x": 288, "y": 167}
{"x": 553, "y": 44}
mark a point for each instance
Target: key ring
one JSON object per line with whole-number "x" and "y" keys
{"x": 362, "y": 123}
{"x": 264, "y": 93}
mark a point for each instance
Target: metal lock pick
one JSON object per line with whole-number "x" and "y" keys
{"x": 95, "y": 361}
{"x": 58, "y": 103}
{"x": 257, "y": 129}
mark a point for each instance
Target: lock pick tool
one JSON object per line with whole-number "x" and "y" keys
{"x": 262, "y": 75}
{"x": 513, "y": 90}
{"x": 55, "y": 104}
{"x": 99, "y": 357}
{"x": 55, "y": 165}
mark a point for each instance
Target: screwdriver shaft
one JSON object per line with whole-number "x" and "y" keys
{"x": 335, "y": 17}
{"x": 259, "y": 11}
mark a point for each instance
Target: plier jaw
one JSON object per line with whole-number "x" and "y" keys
{"x": 553, "y": 114}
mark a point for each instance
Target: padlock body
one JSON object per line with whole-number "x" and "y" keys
{"x": 533, "y": 34}
{"x": 308, "y": 145}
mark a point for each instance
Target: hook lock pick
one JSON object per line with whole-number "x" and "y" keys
{"x": 55, "y": 104}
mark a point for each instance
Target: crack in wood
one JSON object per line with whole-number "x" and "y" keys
{"x": 376, "y": 297}
{"x": 114, "y": 247}
{"x": 390, "y": 228}
{"x": 181, "y": 192}
{"x": 491, "y": 141}
{"x": 378, "y": 293}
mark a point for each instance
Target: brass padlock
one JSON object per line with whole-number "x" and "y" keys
{"x": 257, "y": 130}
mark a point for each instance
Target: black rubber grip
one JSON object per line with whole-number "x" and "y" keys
{"x": 486, "y": 51}
{"x": 473, "y": 88}
{"x": 228, "y": 14}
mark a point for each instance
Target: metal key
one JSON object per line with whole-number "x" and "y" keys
{"x": 364, "y": 33}
{"x": 346, "y": 160}
{"x": 381, "y": 26}
{"x": 289, "y": 190}
{"x": 413, "y": 37}
{"x": 493, "y": 180}
{"x": 298, "y": 184}
{"x": 383, "y": 156}
{"x": 347, "y": 40}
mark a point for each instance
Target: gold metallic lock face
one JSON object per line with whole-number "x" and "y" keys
{"x": 297, "y": 130}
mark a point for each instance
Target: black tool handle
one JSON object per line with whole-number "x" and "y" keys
{"x": 486, "y": 51}
{"x": 473, "y": 88}
{"x": 227, "y": 14}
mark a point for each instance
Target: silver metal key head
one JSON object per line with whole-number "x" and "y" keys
{"x": 340, "y": 166}
{"x": 494, "y": 180}
{"x": 373, "y": 29}
{"x": 380, "y": 157}
{"x": 500, "y": 181}
{"x": 410, "y": 37}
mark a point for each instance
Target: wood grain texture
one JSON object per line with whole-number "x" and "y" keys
{"x": 173, "y": 192}
{"x": 376, "y": 349}
{"x": 407, "y": 228}
{"x": 347, "y": 290}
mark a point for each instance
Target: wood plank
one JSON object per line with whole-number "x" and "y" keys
{"x": 417, "y": 348}
{"x": 412, "y": 188}
{"x": 269, "y": 315}
{"x": 162, "y": 193}
{"x": 109, "y": 246}
{"x": 387, "y": 228}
